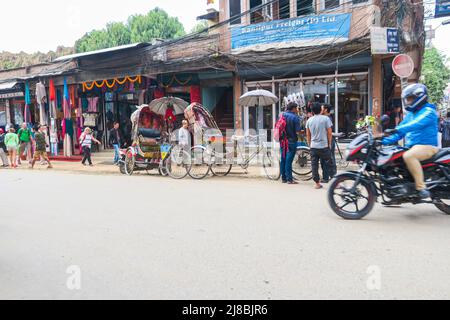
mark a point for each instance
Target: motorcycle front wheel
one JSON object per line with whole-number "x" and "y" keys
{"x": 444, "y": 206}
{"x": 350, "y": 201}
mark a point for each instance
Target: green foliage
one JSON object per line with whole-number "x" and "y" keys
{"x": 10, "y": 60}
{"x": 156, "y": 24}
{"x": 201, "y": 26}
{"x": 436, "y": 74}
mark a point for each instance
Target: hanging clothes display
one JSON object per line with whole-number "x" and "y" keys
{"x": 41, "y": 98}
{"x": 196, "y": 94}
{"x": 93, "y": 104}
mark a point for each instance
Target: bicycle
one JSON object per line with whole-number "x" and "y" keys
{"x": 206, "y": 159}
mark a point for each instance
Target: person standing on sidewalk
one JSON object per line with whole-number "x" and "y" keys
{"x": 12, "y": 144}
{"x": 41, "y": 148}
{"x": 86, "y": 141}
{"x": 292, "y": 130}
{"x": 329, "y": 174}
{"x": 3, "y": 149}
{"x": 115, "y": 140}
{"x": 320, "y": 135}
{"x": 25, "y": 141}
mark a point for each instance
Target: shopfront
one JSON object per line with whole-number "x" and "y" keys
{"x": 350, "y": 100}
{"x": 11, "y": 103}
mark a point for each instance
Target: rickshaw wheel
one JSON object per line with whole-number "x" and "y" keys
{"x": 200, "y": 163}
{"x": 271, "y": 164}
{"x": 177, "y": 164}
{"x": 130, "y": 162}
{"x": 221, "y": 170}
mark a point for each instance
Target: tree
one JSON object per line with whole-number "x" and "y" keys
{"x": 436, "y": 74}
{"x": 139, "y": 28}
{"x": 201, "y": 26}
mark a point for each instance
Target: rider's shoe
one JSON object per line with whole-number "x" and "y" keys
{"x": 424, "y": 194}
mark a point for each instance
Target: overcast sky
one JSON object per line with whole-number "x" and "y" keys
{"x": 42, "y": 25}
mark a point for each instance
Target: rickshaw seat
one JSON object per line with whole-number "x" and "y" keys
{"x": 150, "y": 133}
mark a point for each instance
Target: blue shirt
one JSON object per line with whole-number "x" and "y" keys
{"x": 293, "y": 126}
{"x": 418, "y": 128}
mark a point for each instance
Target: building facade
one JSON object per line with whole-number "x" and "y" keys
{"x": 319, "y": 49}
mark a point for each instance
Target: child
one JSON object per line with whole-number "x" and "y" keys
{"x": 86, "y": 140}
{"x": 41, "y": 148}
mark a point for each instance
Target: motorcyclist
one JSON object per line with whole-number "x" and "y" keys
{"x": 420, "y": 128}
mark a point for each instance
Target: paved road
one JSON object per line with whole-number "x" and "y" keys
{"x": 154, "y": 238}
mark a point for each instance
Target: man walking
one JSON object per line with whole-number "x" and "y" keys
{"x": 41, "y": 148}
{"x": 320, "y": 135}
{"x": 445, "y": 130}
{"x": 115, "y": 140}
{"x": 25, "y": 140}
{"x": 290, "y": 138}
{"x": 329, "y": 174}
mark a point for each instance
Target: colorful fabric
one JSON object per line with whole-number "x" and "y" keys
{"x": 93, "y": 104}
{"x": 52, "y": 91}
{"x": 196, "y": 94}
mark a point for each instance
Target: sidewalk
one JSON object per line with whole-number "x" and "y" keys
{"x": 103, "y": 165}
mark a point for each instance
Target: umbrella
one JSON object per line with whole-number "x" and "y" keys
{"x": 258, "y": 98}
{"x": 160, "y": 106}
{"x": 27, "y": 113}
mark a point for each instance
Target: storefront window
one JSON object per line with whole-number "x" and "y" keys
{"x": 352, "y": 103}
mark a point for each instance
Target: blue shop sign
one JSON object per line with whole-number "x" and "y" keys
{"x": 297, "y": 32}
{"x": 442, "y": 8}
{"x": 393, "y": 40}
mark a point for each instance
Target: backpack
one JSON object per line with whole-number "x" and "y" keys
{"x": 280, "y": 134}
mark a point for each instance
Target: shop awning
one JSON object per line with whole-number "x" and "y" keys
{"x": 7, "y": 85}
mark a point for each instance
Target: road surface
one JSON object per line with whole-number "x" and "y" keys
{"x": 69, "y": 236}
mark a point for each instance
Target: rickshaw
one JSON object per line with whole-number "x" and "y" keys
{"x": 209, "y": 139}
{"x": 152, "y": 149}
{"x": 205, "y": 130}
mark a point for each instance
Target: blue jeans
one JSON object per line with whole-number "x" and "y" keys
{"x": 116, "y": 153}
{"x": 286, "y": 163}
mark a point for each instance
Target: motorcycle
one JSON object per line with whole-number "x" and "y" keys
{"x": 383, "y": 174}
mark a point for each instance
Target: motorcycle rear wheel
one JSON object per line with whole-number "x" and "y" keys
{"x": 364, "y": 192}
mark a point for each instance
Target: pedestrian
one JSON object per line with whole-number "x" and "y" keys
{"x": 86, "y": 140}
{"x": 115, "y": 140}
{"x": 320, "y": 135}
{"x": 445, "y": 130}
{"x": 12, "y": 144}
{"x": 289, "y": 127}
{"x": 184, "y": 136}
{"x": 25, "y": 142}
{"x": 41, "y": 148}
{"x": 329, "y": 174}
{"x": 3, "y": 149}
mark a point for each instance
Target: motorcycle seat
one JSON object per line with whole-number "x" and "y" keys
{"x": 440, "y": 154}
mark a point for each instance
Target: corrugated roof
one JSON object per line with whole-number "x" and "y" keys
{"x": 8, "y": 85}
{"x": 108, "y": 50}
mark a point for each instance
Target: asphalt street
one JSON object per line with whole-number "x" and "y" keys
{"x": 72, "y": 236}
